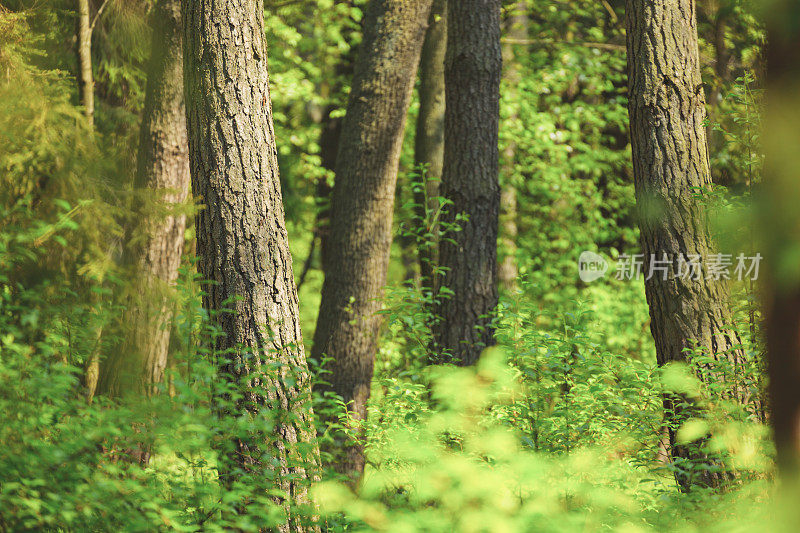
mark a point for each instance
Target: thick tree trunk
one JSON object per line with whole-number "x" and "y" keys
{"x": 470, "y": 181}
{"x": 163, "y": 168}
{"x": 781, "y": 225}
{"x": 242, "y": 243}
{"x": 517, "y": 30}
{"x": 85, "y": 77}
{"x": 363, "y": 199}
{"x": 429, "y": 140}
{"x": 670, "y": 162}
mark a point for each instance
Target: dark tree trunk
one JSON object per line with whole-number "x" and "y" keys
{"x": 363, "y": 199}
{"x": 670, "y": 162}
{"x": 85, "y": 77}
{"x": 723, "y": 55}
{"x": 242, "y": 243}
{"x": 718, "y": 14}
{"x": 782, "y": 231}
{"x": 470, "y": 181}
{"x": 429, "y": 140}
{"x": 163, "y": 168}
{"x": 329, "y": 146}
{"x": 331, "y": 132}
{"x": 517, "y": 30}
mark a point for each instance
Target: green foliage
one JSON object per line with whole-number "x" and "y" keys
{"x": 66, "y": 464}
{"x": 448, "y": 451}
{"x": 566, "y": 118}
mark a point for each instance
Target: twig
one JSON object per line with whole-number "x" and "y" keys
{"x": 41, "y": 239}
{"x": 602, "y": 46}
{"x": 97, "y": 15}
{"x": 610, "y": 10}
{"x": 284, "y": 4}
{"x": 307, "y": 264}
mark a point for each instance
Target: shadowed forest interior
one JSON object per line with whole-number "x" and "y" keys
{"x": 399, "y": 265}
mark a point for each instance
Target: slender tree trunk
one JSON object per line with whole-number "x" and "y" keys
{"x": 91, "y": 370}
{"x": 85, "y": 77}
{"x": 242, "y": 243}
{"x": 86, "y": 93}
{"x": 508, "y": 273}
{"x": 363, "y": 199}
{"x": 409, "y": 256}
{"x": 781, "y": 225}
{"x": 723, "y": 55}
{"x": 163, "y": 168}
{"x": 718, "y": 15}
{"x": 517, "y": 29}
{"x": 429, "y": 140}
{"x": 470, "y": 181}
{"x": 329, "y": 146}
{"x": 670, "y": 162}
{"x": 329, "y": 143}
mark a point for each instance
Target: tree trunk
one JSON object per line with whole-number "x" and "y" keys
{"x": 718, "y": 14}
{"x": 429, "y": 140}
{"x": 517, "y": 29}
{"x": 242, "y": 243}
{"x": 363, "y": 198}
{"x": 470, "y": 181}
{"x": 329, "y": 144}
{"x": 781, "y": 226}
{"x": 163, "y": 168}
{"x": 670, "y": 162}
{"x": 85, "y": 77}
{"x": 86, "y": 93}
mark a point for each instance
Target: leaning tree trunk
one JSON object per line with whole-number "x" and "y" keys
{"x": 517, "y": 30}
{"x": 470, "y": 181}
{"x": 163, "y": 169}
{"x": 670, "y": 162}
{"x": 363, "y": 198}
{"x": 781, "y": 225}
{"x": 429, "y": 139}
{"x": 242, "y": 244}
{"x": 85, "y": 77}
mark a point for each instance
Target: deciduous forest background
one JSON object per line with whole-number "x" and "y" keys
{"x": 399, "y": 265}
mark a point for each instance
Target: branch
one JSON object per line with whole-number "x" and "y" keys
{"x": 97, "y": 15}
{"x": 307, "y": 264}
{"x": 610, "y": 10}
{"x": 602, "y": 46}
{"x": 283, "y": 4}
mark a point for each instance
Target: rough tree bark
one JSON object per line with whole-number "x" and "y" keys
{"x": 517, "y": 30}
{"x": 670, "y": 162}
{"x": 429, "y": 139}
{"x": 242, "y": 243}
{"x": 781, "y": 226}
{"x": 85, "y": 77}
{"x": 363, "y": 198}
{"x": 163, "y": 168}
{"x": 470, "y": 181}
